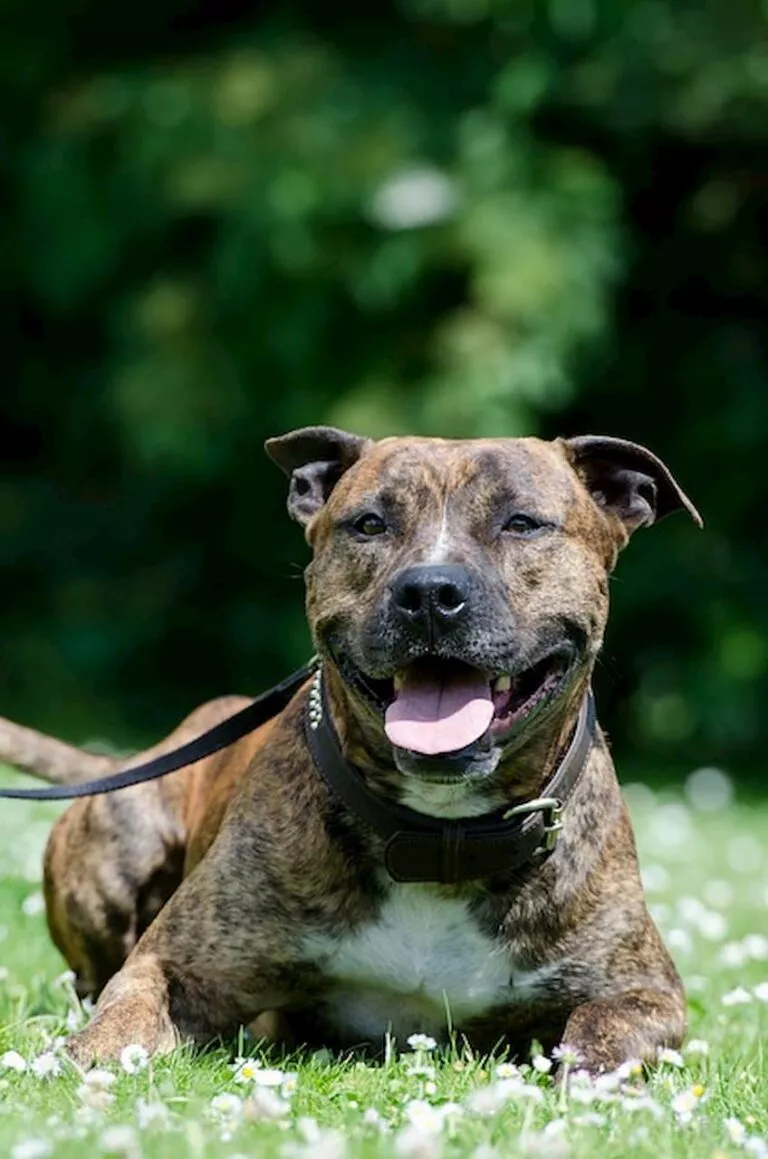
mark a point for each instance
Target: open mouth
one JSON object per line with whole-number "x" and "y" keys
{"x": 436, "y": 707}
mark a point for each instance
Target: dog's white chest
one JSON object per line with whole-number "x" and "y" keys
{"x": 422, "y": 965}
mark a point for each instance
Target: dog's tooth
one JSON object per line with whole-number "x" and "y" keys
{"x": 398, "y": 681}
{"x": 502, "y": 684}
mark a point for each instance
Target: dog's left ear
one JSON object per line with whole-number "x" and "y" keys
{"x": 628, "y": 481}
{"x": 314, "y": 458}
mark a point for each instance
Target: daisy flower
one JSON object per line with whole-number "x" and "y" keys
{"x": 226, "y": 1106}
{"x": 737, "y": 997}
{"x": 46, "y": 1066}
{"x": 120, "y": 1140}
{"x": 31, "y": 1149}
{"x": 151, "y": 1114}
{"x": 735, "y": 1130}
{"x": 245, "y": 1070}
{"x": 133, "y": 1058}
{"x": 265, "y": 1103}
{"x": 99, "y": 1079}
{"x": 421, "y": 1042}
{"x": 671, "y": 1057}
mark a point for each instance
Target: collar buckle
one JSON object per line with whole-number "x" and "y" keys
{"x": 552, "y": 808}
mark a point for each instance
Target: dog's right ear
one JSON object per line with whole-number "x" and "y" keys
{"x": 314, "y": 458}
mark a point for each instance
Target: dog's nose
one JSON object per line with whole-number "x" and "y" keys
{"x": 431, "y": 596}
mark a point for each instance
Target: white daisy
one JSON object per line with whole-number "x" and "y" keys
{"x": 46, "y": 1066}
{"x": 427, "y": 1119}
{"x": 245, "y": 1070}
{"x": 685, "y": 1102}
{"x": 226, "y": 1105}
{"x": 154, "y": 1114}
{"x": 266, "y": 1077}
{"x": 120, "y": 1140}
{"x": 422, "y": 1042}
{"x": 756, "y": 946}
{"x": 133, "y": 1058}
{"x": 265, "y": 1103}
{"x": 672, "y": 1057}
{"x": 737, "y": 997}
{"x": 735, "y": 1130}
{"x": 632, "y": 1068}
{"x": 733, "y": 954}
{"x": 99, "y": 1078}
{"x": 507, "y": 1070}
{"x": 31, "y": 1149}
{"x": 94, "y": 1098}
{"x": 227, "y": 1110}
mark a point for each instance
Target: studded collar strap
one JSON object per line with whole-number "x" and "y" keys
{"x": 419, "y": 848}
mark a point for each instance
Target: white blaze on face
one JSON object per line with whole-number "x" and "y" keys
{"x": 440, "y": 550}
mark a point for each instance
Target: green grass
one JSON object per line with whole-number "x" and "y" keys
{"x": 707, "y": 877}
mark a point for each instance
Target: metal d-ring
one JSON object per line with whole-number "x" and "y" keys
{"x": 552, "y": 807}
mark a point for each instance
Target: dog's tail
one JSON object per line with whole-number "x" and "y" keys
{"x": 50, "y": 759}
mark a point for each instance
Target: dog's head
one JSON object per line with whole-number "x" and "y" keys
{"x": 460, "y": 588}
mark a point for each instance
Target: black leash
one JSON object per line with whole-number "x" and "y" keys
{"x": 262, "y": 709}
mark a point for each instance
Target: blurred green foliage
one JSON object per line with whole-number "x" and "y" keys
{"x": 446, "y": 216}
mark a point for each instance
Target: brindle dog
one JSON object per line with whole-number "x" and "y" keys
{"x": 457, "y": 596}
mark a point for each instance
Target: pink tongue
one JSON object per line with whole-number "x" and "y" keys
{"x": 439, "y": 715}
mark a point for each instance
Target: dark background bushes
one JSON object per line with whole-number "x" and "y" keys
{"x": 446, "y": 216}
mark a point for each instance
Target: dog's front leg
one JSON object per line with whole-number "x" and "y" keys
{"x": 634, "y": 1025}
{"x": 158, "y": 1003}
{"x": 216, "y": 957}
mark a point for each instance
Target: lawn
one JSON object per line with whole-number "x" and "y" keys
{"x": 705, "y": 862}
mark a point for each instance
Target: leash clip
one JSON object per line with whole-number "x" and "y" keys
{"x": 552, "y": 808}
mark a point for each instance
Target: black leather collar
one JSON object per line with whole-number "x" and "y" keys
{"x": 431, "y": 849}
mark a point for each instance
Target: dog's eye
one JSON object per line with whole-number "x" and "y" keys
{"x": 519, "y": 524}
{"x": 370, "y": 525}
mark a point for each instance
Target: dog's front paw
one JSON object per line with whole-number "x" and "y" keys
{"x": 634, "y": 1026}
{"x": 129, "y": 1022}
